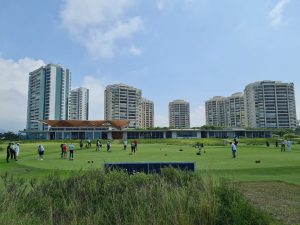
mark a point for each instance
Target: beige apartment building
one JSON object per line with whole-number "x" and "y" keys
{"x": 270, "y": 104}
{"x": 179, "y": 114}
{"x": 79, "y": 104}
{"x": 147, "y": 114}
{"x": 123, "y": 102}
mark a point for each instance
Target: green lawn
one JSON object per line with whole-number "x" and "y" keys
{"x": 274, "y": 166}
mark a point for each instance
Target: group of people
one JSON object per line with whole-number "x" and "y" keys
{"x": 133, "y": 145}
{"x": 12, "y": 151}
{"x": 98, "y": 144}
{"x": 286, "y": 144}
{"x": 87, "y": 145}
{"x": 283, "y": 145}
{"x": 64, "y": 151}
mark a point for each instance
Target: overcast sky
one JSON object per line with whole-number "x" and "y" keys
{"x": 171, "y": 49}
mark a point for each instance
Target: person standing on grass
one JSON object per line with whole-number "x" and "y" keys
{"x": 132, "y": 147}
{"x": 17, "y": 150}
{"x": 108, "y": 145}
{"x": 81, "y": 144}
{"x": 89, "y": 143}
{"x": 62, "y": 150}
{"x": 65, "y": 149}
{"x": 289, "y": 145}
{"x": 8, "y": 152}
{"x": 98, "y": 145}
{"x": 71, "y": 147}
{"x": 124, "y": 144}
{"x": 233, "y": 149}
{"x": 283, "y": 143}
{"x": 41, "y": 151}
{"x": 12, "y": 151}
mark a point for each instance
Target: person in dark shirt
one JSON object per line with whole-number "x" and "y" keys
{"x": 133, "y": 147}
{"x": 108, "y": 146}
{"x": 8, "y": 152}
{"x": 81, "y": 144}
{"x": 12, "y": 151}
{"x": 62, "y": 150}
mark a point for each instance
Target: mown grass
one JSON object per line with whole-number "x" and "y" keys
{"x": 274, "y": 165}
{"x": 216, "y": 162}
{"x": 279, "y": 199}
{"x": 91, "y": 197}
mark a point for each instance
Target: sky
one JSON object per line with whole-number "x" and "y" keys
{"x": 170, "y": 49}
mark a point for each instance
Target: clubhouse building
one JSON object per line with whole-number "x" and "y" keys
{"x": 118, "y": 129}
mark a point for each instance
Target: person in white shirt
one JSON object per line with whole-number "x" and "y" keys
{"x": 17, "y": 150}
{"x": 289, "y": 145}
{"x": 41, "y": 151}
{"x": 71, "y": 148}
{"x": 233, "y": 149}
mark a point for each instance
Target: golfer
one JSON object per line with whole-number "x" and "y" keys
{"x": 233, "y": 149}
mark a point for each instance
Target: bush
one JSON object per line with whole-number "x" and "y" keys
{"x": 290, "y": 136}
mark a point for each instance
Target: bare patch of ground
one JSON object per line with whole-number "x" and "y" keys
{"x": 280, "y": 200}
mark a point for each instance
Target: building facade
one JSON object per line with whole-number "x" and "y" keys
{"x": 48, "y": 92}
{"x": 215, "y": 111}
{"x": 270, "y": 104}
{"x": 79, "y": 104}
{"x": 235, "y": 115}
{"x": 147, "y": 114}
{"x": 123, "y": 102}
{"x": 179, "y": 114}
{"x": 101, "y": 129}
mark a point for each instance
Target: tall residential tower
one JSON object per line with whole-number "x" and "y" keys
{"x": 235, "y": 111}
{"x": 48, "y": 92}
{"x": 79, "y": 104}
{"x": 215, "y": 111}
{"x": 226, "y": 111}
{"x": 123, "y": 102}
{"x": 147, "y": 114}
{"x": 270, "y": 104}
{"x": 179, "y": 114}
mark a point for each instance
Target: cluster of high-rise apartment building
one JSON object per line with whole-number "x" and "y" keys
{"x": 263, "y": 104}
{"x": 50, "y": 97}
{"x": 123, "y": 102}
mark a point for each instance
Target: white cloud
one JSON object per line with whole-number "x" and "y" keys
{"x": 101, "y": 25}
{"x": 162, "y": 4}
{"x": 14, "y": 90}
{"x": 135, "y": 51}
{"x": 198, "y": 116}
{"x": 276, "y": 13}
{"x": 169, "y": 4}
{"x": 96, "y": 103}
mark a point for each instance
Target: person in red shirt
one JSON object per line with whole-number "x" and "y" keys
{"x": 65, "y": 148}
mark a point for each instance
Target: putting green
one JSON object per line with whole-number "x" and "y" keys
{"x": 274, "y": 165}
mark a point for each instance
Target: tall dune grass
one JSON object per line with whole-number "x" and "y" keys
{"x": 174, "y": 197}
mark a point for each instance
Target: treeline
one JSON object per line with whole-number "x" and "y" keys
{"x": 9, "y": 136}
